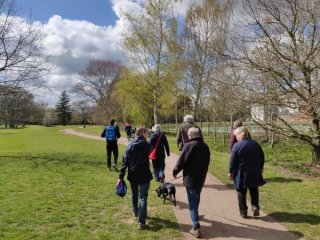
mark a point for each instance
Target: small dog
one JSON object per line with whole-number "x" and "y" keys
{"x": 166, "y": 189}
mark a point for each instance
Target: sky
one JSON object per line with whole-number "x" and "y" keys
{"x": 76, "y": 31}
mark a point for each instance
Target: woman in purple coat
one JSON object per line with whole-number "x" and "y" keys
{"x": 245, "y": 169}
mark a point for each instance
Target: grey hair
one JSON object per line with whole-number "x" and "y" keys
{"x": 188, "y": 118}
{"x": 156, "y": 128}
{"x": 237, "y": 123}
{"x": 241, "y": 132}
{"x": 193, "y": 132}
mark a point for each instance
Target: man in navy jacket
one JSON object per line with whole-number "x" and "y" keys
{"x": 245, "y": 169}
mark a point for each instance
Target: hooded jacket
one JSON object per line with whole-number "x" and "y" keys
{"x": 136, "y": 159}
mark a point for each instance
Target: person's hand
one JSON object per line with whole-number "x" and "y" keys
{"x": 119, "y": 180}
{"x": 230, "y": 175}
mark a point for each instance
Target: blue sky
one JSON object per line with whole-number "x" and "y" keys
{"x": 98, "y": 12}
{"x": 77, "y": 31}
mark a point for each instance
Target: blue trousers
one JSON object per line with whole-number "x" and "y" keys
{"x": 194, "y": 201}
{"x": 139, "y": 200}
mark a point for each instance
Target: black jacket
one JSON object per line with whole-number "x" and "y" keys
{"x": 136, "y": 159}
{"x": 162, "y": 146}
{"x": 182, "y": 134}
{"x": 194, "y": 161}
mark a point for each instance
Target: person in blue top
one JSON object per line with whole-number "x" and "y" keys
{"x": 136, "y": 160}
{"x": 245, "y": 169}
{"x": 162, "y": 148}
{"x": 111, "y": 133}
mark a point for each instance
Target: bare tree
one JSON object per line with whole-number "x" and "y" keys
{"x": 21, "y": 61}
{"x": 278, "y": 46}
{"x": 204, "y": 39}
{"x": 98, "y": 79}
{"x": 16, "y": 106}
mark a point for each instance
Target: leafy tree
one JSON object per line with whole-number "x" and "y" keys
{"x": 146, "y": 43}
{"x": 63, "y": 109}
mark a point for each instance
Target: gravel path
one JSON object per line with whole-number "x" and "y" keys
{"x": 219, "y": 215}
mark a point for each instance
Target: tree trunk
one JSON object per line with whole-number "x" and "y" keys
{"x": 315, "y": 144}
{"x": 315, "y": 149}
{"x": 155, "y": 108}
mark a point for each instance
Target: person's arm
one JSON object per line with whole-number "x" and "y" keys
{"x": 179, "y": 139}
{"x": 124, "y": 165}
{"x": 118, "y": 135}
{"x": 166, "y": 145}
{"x": 232, "y": 163}
{"x": 103, "y": 134}
{"x": 261, "y": 158}
{"x": 181, "y": 162}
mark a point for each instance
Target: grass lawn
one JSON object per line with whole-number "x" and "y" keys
{"x": 290, "y": 197}
{"x": 55, "y": 186}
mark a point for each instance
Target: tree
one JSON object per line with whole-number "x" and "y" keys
{"x": 278, "y": 46}
{"x": 146, "y": 43}
{"x": 16, "y": 106}
{"x": 81, "y": 112}
{"x": 63, "y": 109}
{"x": 21, "y": 61}
{"x": 134, "y": 98}
{"x": 98, "y": 79}
{"x": 204, "y": 39}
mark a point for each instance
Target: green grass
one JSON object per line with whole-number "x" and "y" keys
{"x": 291, "y": 195}
{"x": 291, "y": 199}
{"x": 55, "y": 186}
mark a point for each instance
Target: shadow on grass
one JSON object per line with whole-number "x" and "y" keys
{"x": 293, "y": 218}
{"x": 283, "y": 180}
{"x": 66, "y": 159}
{"x": 159, "y": 223}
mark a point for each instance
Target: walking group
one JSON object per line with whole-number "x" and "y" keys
{"x": 245, "y": 166}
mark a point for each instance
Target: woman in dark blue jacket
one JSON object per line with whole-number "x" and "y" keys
{"x": 245, "y": 168}
{"x": 159, "y": 163}
{"x": 136, "y": 159}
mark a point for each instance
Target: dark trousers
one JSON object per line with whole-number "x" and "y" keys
{"x": 112, "y": 147}
{"x": 254, "y": 194}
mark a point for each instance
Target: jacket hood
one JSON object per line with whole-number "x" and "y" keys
{"x": 139, "y": 143}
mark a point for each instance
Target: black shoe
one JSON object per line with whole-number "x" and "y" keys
{"x": 195, "y": 232}
{"x": 244, "y": 215}
{"x": 115, "y": 167}
{"x": 142, "y": 226}
{"x": 255, "y": 211}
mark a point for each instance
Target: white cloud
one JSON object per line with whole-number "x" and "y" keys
{"x": 72, "y": 43}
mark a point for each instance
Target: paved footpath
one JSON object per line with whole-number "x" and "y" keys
{"x": 219, "y": 215}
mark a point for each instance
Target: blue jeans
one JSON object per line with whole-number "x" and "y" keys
{"x": 139, "y": 200}
{"x": 194, "y": 200}
{"x": 158, "y": 170}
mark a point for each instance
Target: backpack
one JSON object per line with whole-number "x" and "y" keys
{"x": 111, "y": 133}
